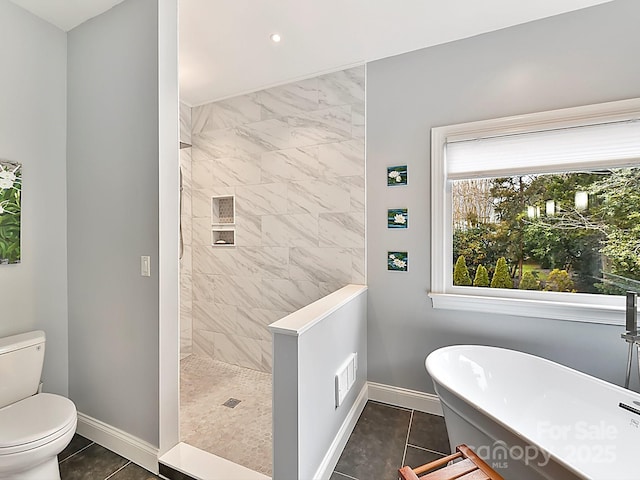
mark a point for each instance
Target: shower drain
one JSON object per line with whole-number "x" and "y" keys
{"x": 231, "y": 403}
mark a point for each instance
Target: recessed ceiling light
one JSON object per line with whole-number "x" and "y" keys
{"x": 275, "y": 37}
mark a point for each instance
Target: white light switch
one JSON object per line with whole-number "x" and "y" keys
{"x": 351, "y": 374}
{"x": 345, "y": 378}
{"x": 341, "y": 386}
{"x": 145, "y": 266}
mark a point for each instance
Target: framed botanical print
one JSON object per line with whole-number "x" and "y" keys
{"x": 10, "y": 191}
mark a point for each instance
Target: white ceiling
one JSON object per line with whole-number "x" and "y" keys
{"x": 66, "y": 14}
{"x": 225, "y": 48}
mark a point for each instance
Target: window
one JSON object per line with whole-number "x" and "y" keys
{"x": 538, "y": 215}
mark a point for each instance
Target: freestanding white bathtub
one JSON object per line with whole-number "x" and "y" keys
{"x": 531, "y": 418}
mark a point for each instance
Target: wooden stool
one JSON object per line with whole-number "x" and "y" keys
{"x": 471, "y": 467}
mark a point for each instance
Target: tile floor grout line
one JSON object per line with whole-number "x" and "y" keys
{"x": 406, "y": 442}
{"x": 345, "y": 475}
{"x": 113, "y": 473}
{"x": 391, "y": 406}
{"x": 75, "y": 453}
{"x": 427, "y": 449}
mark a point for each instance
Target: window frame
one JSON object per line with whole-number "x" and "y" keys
{"x": 581, "y": 307}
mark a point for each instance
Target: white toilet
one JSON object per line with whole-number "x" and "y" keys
{"x": 34, "y": 427}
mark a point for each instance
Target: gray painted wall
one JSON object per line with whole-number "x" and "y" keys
{"x": 112, "y": 176}
{"x": 321, "y": 352}
{"x": 286, "y": 434}
{"x": 305, "y": 418}
{"x": 585, "y": 57}
{"x": 33, "y": 294}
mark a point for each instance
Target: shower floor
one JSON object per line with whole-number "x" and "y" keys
{"x": 242, "y": 433}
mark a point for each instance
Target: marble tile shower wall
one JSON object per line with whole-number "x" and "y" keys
{"x": 293, "y": 156}
{"x": 186, "y": 288}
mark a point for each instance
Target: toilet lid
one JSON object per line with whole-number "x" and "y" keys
{"x": 35, "y": 418}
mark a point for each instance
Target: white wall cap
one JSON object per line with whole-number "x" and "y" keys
{"x": 302, "y": 320}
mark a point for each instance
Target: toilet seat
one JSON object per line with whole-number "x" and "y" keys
{"x": 35, "y": 421}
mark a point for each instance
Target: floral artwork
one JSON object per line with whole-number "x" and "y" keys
{"x": 398, "y": 261}
{"x": 397, "y": 175}
{"x": 10, "y": 188}
{"x": 397, "y": 218}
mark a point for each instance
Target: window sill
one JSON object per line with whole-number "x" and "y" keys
{"x": 575, "y": 312}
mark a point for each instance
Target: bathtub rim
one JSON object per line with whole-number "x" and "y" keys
{"x": 572, "y": 371}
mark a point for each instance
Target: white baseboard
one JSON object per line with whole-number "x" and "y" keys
{"x": 403, "y": 397}
{"x": 330, "y": 460}
{"x": 130, "y": 447}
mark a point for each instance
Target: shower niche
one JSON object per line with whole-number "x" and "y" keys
{"x": 223, "y": 221}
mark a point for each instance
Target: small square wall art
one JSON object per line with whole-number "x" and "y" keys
{"x": 396, "y": 176}
{"x": 397, "y": 218}
{"x": 398, "y": 261}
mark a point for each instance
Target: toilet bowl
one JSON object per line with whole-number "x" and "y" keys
{"x": 33, "y": 432}
{"x": 34, "y": 427}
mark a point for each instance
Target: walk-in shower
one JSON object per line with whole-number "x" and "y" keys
{"x": 273, "y": 197}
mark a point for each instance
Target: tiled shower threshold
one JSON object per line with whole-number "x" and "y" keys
{"x": 200, "y": 465}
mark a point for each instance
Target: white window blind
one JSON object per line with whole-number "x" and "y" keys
{"x": 561, "y": 150}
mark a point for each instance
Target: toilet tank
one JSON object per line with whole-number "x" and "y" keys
{"x": 21, "y": 360}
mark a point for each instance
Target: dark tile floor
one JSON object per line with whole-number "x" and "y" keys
{"x": 86, "y": 460}
{"x": 386, "y": 438}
